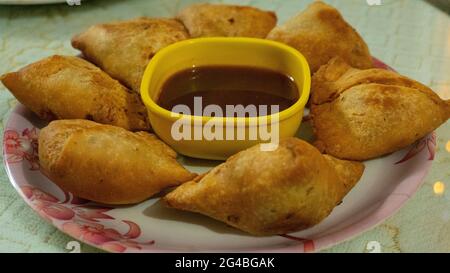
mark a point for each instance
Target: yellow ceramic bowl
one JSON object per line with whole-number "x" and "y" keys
{"x": 223, "y": 51}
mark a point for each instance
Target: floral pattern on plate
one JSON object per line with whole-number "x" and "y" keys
{"x": 84, "y": 222}
{"x": 19, "y": 146}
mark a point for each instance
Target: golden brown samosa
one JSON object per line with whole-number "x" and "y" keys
{"x": 215, "y": 20}
{"x": 66, "y": 87}
{"x": 321, "y": 33}
{"x": 267, "y": 193}
{"x": 364, "y": 114}
{"x": 123, "y": 49}
{"x": 107, "y": 164}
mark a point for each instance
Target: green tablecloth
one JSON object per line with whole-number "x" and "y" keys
{"x": 410, "y": 35}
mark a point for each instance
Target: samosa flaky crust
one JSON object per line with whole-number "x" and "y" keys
{"x": 267, "y": 193}
{"x": 363, "y": 114}
{"x": 107, "y": 164}
{"x": 217, "y": 20}
{"x": 68, "y": 87}
{"x": 321, "y": 33}
{"x": 123, "y": 49}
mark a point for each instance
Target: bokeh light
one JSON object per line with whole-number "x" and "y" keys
{"x": 439, "y": 188}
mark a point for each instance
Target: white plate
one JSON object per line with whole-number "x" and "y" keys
{"x": 149, "y": 227}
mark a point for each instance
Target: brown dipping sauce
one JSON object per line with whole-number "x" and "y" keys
{"x": 229, "y": 85}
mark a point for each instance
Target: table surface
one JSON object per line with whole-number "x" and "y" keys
{"x": 410, "y": 35}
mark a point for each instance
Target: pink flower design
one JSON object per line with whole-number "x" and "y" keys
{"x": 12, "y": 144}
{"x": 92, "y": 233}
{"x": 82, "y": 221}
{"x": 308, "y": 245}
{"x": 428, "y": 142}
{"x": 19, "y": 147}
{"x": 47, "y": 205}
{"x": 106, "y": 238}
{"x": 114, "y": 247}
{"x": 51, "y": 207}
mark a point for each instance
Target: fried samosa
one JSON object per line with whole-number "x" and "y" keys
{"x": 364, "y": 114}
{"x": 123, "y": 49}
{"x": 267, "y": 193}
{"x": 216, "y": 20}
{"x": 66, "y": 87}
{"x": 321, "y": 33}
{"x": 107, "y": 164}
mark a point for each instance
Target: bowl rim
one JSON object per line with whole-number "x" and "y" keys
{"x": 298, "y": 106}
